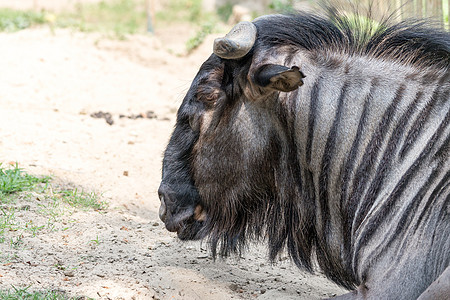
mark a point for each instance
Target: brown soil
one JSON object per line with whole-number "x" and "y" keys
{"x": 50, "y": 84}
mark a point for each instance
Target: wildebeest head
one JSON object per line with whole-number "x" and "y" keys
{"x": 220, "y": 166}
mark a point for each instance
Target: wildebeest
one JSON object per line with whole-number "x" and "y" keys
{"x": 327, "y": 137}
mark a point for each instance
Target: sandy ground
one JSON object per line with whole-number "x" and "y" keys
{"x": 50, "y": 83}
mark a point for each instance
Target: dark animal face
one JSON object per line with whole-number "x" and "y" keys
{"x": 218, "y": 167}
{"x": 181, "y": 208}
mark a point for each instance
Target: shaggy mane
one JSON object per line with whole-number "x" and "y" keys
{"x": 284, "y": 198}
{"x": 412, "y": 42}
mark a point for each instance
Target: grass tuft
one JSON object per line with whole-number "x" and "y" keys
{"x": 82, "y": 199}
{"x": 14, "y": 179}
{"x": 7, "y": 220}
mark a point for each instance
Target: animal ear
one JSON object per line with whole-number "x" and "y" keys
{"x": 279, "y": 77}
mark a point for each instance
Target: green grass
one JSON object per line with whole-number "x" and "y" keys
{"x": 199, "y": 37}
{"x": 95, "y": 241}
{"x": 282, "y": 6}
{"x": 445, "y": 12}
{"x": 120, "y": 18}
{"x": 116, "y": 18}
{"x": 177, "y": 11}
{"x": 14, "y": 20}
{"x": 16, "y": 180}
{"x": 21, "y": 192}
{"x": 53, "y": 209}
{"x": 80, "y": 199}
{"x": 23, "y": 294}
{"x": 7, "y": 221}
{"x": 190, "y": 11}
{"x": 34, "y": 207}
{"x": 224, "y": 11}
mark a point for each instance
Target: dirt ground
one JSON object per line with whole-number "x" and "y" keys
{"x": 50, "y": 84}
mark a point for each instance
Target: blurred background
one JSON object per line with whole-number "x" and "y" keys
{"x": 119, "y": 18}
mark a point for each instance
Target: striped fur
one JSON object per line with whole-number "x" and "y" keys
{"x": 353, "y": 166}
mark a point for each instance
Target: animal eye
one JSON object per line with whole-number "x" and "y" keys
{"x": 210, "y": 97}
{"x": 209, "y": 94}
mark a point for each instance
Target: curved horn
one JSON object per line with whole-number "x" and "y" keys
{"x": 237, "y": 43}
